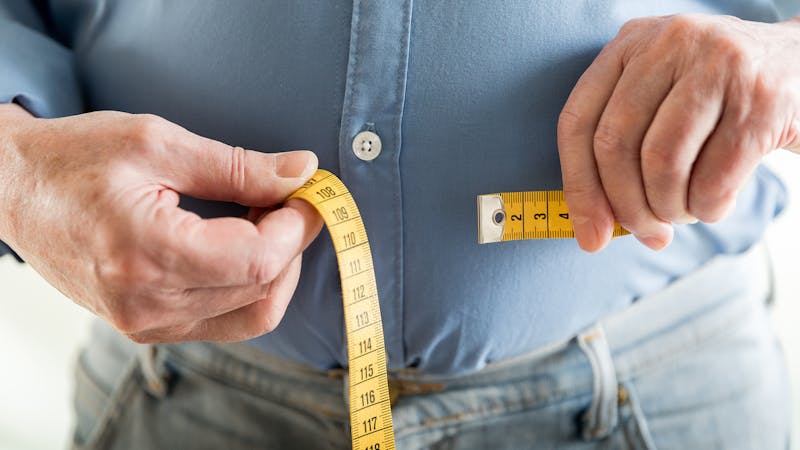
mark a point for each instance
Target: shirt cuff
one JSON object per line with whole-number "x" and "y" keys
{"x": 37, "y": 72}
{"x": 6, "y": 250}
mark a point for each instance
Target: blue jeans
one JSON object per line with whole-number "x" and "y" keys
{"x": 695, "y": 366}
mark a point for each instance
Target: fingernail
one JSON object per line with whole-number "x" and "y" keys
{"x": 297, "y": 164}
{"x": 586, "y": 230}
{"x": 686, "y": 220}
{"x": 653, "y": 242}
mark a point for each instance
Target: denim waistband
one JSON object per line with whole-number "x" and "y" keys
{"x": 685, "y": 313}
{"x": 602, "y": 362}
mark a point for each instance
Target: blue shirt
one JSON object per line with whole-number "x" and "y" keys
{"x": 465, "y": 97}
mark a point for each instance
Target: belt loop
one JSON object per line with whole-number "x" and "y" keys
{"x": 346, "y": 388}
{"x": 155, "y": 375}
{"x": 601, "y": 417}
{"x": 770, "y": 269}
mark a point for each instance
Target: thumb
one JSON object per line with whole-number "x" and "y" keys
{"x": 211, "y": 170}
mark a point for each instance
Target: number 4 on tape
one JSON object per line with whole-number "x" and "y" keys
{"x": 510, "y": 216}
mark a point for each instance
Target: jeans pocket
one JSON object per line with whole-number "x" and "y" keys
{"x": 632, "y": 422}
{"x": 728, "y": 392}
{"x": 197, "y": 409}
{"x": 96, "y": 405}
{"x": 209, "y": 410}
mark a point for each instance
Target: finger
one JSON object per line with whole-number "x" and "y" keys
{"x": 170, "y": 309}
{"x": 255, "y": 214}
{"x": 590, "y": 213}
{"x": 252, "y": 320}
{"x": 228, "y": 251}
{"x": 196, "y": 304}
{"x": 209, "y": 169}
{"x": 684, "y": 122}
{"x": 257, "y": 318}
{"x": 617, "y": 149}
{"x": 731, "y": 154}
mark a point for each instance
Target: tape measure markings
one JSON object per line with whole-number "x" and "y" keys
{"x": 501, "y": 217}
{"x": 509, "y": 216}
{"x": 370, "y": 404}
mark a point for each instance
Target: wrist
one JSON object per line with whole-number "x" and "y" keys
{"x": 792, "y": 22}
{"x": 12, "y": 119}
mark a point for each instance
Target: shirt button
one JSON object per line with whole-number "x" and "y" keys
{"x": 367, "y": 145}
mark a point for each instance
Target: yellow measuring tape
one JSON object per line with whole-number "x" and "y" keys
{"x": 510, "y": 216}
{"x": 501, "y": 217}
{"x": 370, "y": 406}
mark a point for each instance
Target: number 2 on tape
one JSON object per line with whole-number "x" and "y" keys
{"x": 510, "y": 216}
{"x": 370, "y": 404}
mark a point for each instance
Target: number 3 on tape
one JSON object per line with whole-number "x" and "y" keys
{"x": 370, "y": 405}
{"x": 510, "y": 216}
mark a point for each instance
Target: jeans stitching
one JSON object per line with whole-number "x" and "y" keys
{"x": 470, "y": 416}
{"x": 669, "y": 353}
{"x": 120, "y": 396}
{"x": 184, "y": 363}
{"x": 642, "y": 437}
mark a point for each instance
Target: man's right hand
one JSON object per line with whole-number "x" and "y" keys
{"x": 91, "y": 202}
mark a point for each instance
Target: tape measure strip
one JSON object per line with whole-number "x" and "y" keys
{"x": 370, "y": 404}
{"x": 510, "y": 216}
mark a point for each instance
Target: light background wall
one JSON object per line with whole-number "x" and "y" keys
{"x": 40, "y": 332}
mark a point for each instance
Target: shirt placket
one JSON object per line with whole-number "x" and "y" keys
{"x": 370, "y": 145}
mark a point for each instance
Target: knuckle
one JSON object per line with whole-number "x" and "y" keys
{"x": 123, "y": 284}
{"x": 710, "y": 199}
{"x": 668, "y": 212}
{"x": 768, "y": 96}
{"x": 634, "y": 25}
{"x": 263, "y": 291}
{"x": 126, "y": 273}
{"x": 584, "y": 200}
{"x": 790, "y": 137}
{"x": 664, "y": 163}
{"x": 739, "y": 155}
{"x": 146, "y": 131}
{"x": 580, "y": 191}
{"x": 681, "y": 25}
{"x": 713, "y": 209}
{"x": 237, "y": 173}
{"x": 664, "y": 212}
{"x": 114, "y": 274}
{"x": 264, "y": 267}
{"x": 630, "y": 220}
{"x": 127, "y": 317}
{"x": 571, "y": 122}
{"x": 732, "y": 52}
{"x": 609, "y": 143}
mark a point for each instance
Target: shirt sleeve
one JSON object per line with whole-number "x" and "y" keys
{"x": 6, "y": 250}
{"x": 36, "y": 71}
{"x": 787, "y": 8}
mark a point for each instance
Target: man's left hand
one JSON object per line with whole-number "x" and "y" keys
{"x": 671, "y": 119}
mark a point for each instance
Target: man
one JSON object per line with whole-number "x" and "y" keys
{"x": 519, "y": 345}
